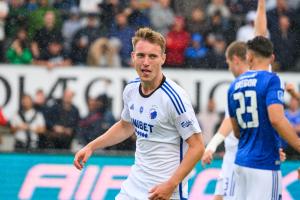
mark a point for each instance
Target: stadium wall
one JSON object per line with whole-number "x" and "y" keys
{"x": 87, "y": 81}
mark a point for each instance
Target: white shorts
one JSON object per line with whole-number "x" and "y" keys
{"x": 257, "y": 184}
{"x": 226, "y": 181}
{"x": 123, "y": 195}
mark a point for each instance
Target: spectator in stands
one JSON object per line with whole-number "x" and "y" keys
{"x": 274, "y": 14}
{"x": 216, "y": 55}
{"x": 63, "y": 119}
{"x": 161, "y": 16}
{"x": 36, "y": 19}
{"x": 177, "y": 41}
{"x": 292, "y": 113}
{"x": 108, "y": 10}
{"x": 246, "y": 32}
{"x": 3, "y": 120}
{"x": 42, "y": 37}
{"x": 19, "y": 51}
{"x": 240, "y": 7}
{"x": 218, "y": 25}
{"x": 136, "y": 18}
{"x": 54, "y": 56}
{"x": 27, "y": 125}
{"x": 98, "y": 120}
{"x": 285, "y": 44}
{"x": 4, "y": 9}
{"x": 122, "y": 31}
{"x": 84, "y": 37}
{"x": 39, "y": 102}
{"x": 65, "y": 6}
{"x": 208, "y": 120}
{"x": 103, "y": 53}
{"x": 32, "y": 5}
{"x": 196, "y": 22}
{"x": 70, "y": 26}
{"x": 88, "y": 6}
{"x": 220, "y": 6}
{"x": 17, "y": 17}
{"x": 195, "y": 54}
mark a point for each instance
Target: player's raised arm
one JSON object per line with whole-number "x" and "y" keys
{"x": 260, "y": 23}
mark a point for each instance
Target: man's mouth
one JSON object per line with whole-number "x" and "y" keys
{"x": 146, "y": 71}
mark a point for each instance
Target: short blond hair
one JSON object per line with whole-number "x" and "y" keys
{"x": 238, "y": 49}
{"x": 151, "y": 36}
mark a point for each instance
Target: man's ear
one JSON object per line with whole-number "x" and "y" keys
{"x": 235, "y": 59}
{"x": 249, "y": 57}
{"x": 163, "y": 58}
{"x": 272, "y": 58}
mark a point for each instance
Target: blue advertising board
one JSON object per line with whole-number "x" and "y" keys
{"x": 43, "y": 176}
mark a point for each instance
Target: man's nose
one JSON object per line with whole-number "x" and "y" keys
{"x": 146, "y": 60}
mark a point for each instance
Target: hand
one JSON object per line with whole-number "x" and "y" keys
{"x": 17, "y": 46}
{"x": 58, "y": 129}
{"x": 162, "y": 191}
{"x": 50, "y": 65}
{"x": 207, "y": 158}
{"x": 290, "y": 88}
{"x": 282, "y": 155}
{"x": 82, "y": 156}
{"x": 24, "y": 127}
{"x": 298, "y": 174}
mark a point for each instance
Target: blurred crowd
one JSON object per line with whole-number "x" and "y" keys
{"x": 64, "y": 33}
{"x": 55, "y": 124}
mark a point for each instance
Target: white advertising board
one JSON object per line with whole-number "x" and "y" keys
{"x": 86, "y": 81}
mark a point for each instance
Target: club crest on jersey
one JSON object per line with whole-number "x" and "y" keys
{"x": 153, "y": 113}
{"x": 132, "y": 107}
{"x": 280, "y": 95}
{"x": 141, "y": 109}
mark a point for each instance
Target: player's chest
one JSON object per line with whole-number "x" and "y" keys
{"x": 147, "y": 115}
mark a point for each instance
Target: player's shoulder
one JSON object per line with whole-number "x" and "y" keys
{"x": 133, "y": 83}
{"x": 132, "y": 86}
{"x": 175, "y": 96}
{"x": 172, "y": 87}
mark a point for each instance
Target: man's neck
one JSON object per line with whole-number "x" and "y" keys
{"x": 261, "y": 64}
{"x": 149, "y": 87}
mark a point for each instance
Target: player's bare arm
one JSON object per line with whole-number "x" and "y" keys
{"x": 282, "y": 125}
{"x": 235, "y": 127}
{"x": 192, "y": 156}
{"x": 119, "y": 132}
{"x": 218, "y": 138}
{"x": 260, "y": 23}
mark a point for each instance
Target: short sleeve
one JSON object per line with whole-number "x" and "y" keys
{"x": 125, "y": 115}
{"x": 186, "y": 122}
{"x": 230, "y": 106}
{"x": 275, "y": 91}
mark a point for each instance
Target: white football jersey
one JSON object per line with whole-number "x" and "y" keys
{"x": 163, "y": 121}
{"x": 231, "y": 145}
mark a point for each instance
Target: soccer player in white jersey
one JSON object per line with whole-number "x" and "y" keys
{"x": 236, "y": 60}
{"x": 159, "y": 112}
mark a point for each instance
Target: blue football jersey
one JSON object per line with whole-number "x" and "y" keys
{"x": 248, "y": 99}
